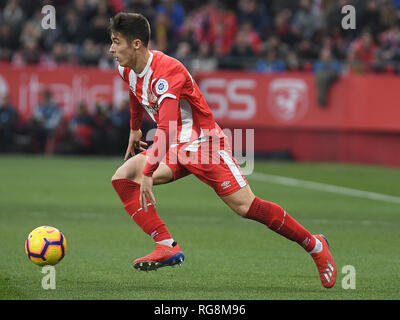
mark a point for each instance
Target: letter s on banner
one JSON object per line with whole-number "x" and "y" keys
{"x": 246, "y": 99}
{"x": 229, "y": 95}
{"x": 215, "y": 98}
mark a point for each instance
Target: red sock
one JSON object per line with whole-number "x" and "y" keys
{"x": 149, "y": 221}
{"x": 276, "y": 219}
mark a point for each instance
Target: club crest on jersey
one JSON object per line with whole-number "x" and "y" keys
{"x": 161, "y": 86}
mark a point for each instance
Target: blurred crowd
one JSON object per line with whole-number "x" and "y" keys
{"x": 260, "y": 35}
{"x": 102, "y": 132}
{"x": 267, "y": 36}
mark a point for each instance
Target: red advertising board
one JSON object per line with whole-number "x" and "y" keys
{"x": 70, "y": 86}
{"x": 355, "y": 102}
{"x": 253, "y": 100}
{"x": 361, "y": 121}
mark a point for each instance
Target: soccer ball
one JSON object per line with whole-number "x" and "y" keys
{"x": 45, "y": 245}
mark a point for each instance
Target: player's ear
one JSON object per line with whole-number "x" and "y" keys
{"x": 137, "y": 43}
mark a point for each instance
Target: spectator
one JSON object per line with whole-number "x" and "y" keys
{"x": 29, "y": 54}
{"x": 99, "y": 8}
{"x": 390, "y": 44}
{"x": 225, "y": 30}
{"x": 8, "y": 123}
{"x": 120, "y": 119}
{"x": 59, "y": 55}
{"x": 307, "y": 20}
{"x": 270, "y": 64}
{"x": 72, "y": 28}
{"x": 254, "y": 11}
{"x": 91, "y": 53}
{"x": 337, "y": 46}
{"x": 307, "y": 50}
{"x": 283, "y": 29}
{"x": 204, "y": 61}
{"x": 278, "y": 6}
{"x": 241, "y": 55}
{"x": 12, "y": 14}
{"x": 44, "y": 123}
{"x": 184, "y": 53}
{"x": 292, "y": 62}
{"x": 98, "y": 29}
{"x": 388, "y": 16}
{"x": 187, "y": 33}
{"x": 252, "y": 36}
{"x": 327, "y": 71}
{"x": 144, "y": 7}
{"x": 99, "y": 20}
{"x": 363, "y": 50}
{"x": 369, "y": 17}
{"x": 81, "y": 9}
{"x": 273, "y": 43}
{"x": 217, "y": 26}
{"x": 163, "y": 33}
{"x": 31, "y": 32}
{"x": 8, "y": 42}
{"x": 101, "y": 141}
{"x": 397, "y": 4}
{"x": 174, "y": 11}
{"x": 81, "y": 130}
{"x": 117, "y": 5}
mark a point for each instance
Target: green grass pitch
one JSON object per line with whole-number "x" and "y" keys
{"x": 227, "y": 257}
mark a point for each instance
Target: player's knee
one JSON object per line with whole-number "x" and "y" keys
{"x": 240, "y": 201}
{"x": 121, "y": 173}
{"x": 241, "y": 209}
{"x": 131, "y": 169}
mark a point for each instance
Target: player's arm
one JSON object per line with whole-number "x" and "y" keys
{"x": 135, "y": 135}
{"x": 165, "y": 135}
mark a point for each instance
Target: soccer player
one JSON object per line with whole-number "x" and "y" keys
{"x": 187, "y": 141}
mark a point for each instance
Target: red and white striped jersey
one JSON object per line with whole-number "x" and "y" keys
{"x": 165, "y": 77}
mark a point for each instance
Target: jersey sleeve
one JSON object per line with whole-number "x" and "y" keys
{"x": 169, "y": 84}
{"x": 165, "y": 135}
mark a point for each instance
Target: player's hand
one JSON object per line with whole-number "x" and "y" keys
{"x": 146, "y": 193}
{"x": 135, "y": 141}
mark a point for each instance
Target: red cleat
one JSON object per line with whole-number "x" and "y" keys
{"x": 162, "y": 256}
{"x": 325, "y": 264}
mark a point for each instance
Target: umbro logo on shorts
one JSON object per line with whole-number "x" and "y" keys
{"x": 225, "y": 184}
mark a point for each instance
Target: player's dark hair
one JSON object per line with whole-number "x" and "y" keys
{"x": 131, "y": 26}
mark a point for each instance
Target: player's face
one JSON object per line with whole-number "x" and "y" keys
{"x": 123, "y": 52}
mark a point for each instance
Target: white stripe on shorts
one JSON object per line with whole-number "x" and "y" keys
{"x": 232, "y": 166}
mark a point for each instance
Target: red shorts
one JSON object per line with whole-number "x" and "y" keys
{"x": 211, "y": 162}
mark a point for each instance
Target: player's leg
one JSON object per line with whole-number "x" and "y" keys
{"x": 225, "y": 177}
{"x": 247, "y": 205}
{"x": 126, "y": 182}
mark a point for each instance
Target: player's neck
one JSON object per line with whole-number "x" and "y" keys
{"x": 141, "y": 61}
